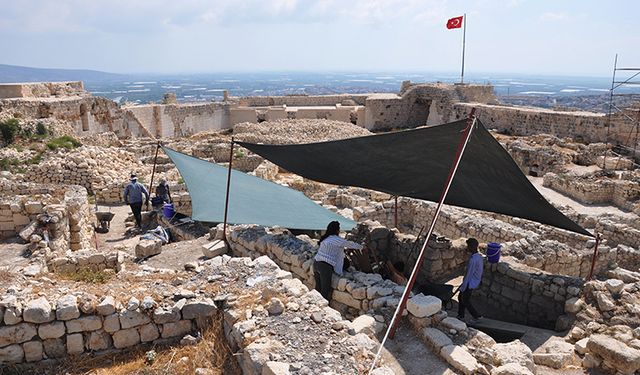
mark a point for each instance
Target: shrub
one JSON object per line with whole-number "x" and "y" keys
{"x": 66, "y": 141}
{"x": 9, "y": 128}
{"x": 41, "y": 130}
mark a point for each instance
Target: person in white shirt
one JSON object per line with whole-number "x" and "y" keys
{"x": 330, "y": 258}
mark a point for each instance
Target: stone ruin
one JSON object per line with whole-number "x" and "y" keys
{"x": 259, "y": 290}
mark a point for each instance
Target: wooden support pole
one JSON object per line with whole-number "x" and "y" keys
{"x": 594, "y": 257}
{"x": 395, "y": 216}
{"x": 153, "y": 173}
{"x": 226, "y": 199}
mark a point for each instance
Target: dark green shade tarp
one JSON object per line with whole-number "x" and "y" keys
{"x": 415, "y": 163}
{"x": 252, "y": 200}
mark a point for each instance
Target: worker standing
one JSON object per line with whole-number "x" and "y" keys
{"x": 133, "y": 193}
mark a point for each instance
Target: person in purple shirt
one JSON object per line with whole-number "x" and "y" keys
{"x": 471, "y": 281}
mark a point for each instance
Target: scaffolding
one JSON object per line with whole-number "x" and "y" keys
{"x": 632, "y": 78}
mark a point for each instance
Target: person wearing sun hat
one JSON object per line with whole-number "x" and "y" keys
{"x": 133, "y": 193}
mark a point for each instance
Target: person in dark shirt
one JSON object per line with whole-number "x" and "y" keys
{"x": 133, "y": 193}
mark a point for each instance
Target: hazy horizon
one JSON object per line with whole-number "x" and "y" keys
{"x": 162, "y": 37}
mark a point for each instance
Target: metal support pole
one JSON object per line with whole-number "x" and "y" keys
{"x": 464, "y": 34}
{"x": 226, "y": 199}
{"x": 595, "y": 256}
{"x": 153, "y": 172}
{"x": 412, "y": 279}
{"x": 606, "y": 141}
{"x": 395, "y": 216}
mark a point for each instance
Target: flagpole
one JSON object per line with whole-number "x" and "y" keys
{"x": 464, "y": 32}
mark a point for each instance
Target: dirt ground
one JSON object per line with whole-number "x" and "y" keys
{"x": 407, "y": 354}
{"x": 173, "y": 256}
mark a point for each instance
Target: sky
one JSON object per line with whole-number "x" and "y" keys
{"x": 546, "y": 37}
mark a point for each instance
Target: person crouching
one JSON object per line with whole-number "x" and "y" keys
{"x": 330, "y": 258}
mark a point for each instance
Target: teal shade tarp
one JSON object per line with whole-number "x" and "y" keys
{"x": 252, "y": 200}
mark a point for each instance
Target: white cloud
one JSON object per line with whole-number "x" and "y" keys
{"x": 552, "y": 16}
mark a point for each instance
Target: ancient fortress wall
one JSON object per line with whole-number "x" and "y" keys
{"x": 414, "y": 105}
{"x": 41, "y": 89}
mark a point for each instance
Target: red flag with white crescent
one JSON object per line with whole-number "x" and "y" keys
{"x": 454, "y": 23}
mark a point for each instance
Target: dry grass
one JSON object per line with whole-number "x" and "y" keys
{"x": 212, "y": 352}
{"x": 89, "y": 276}
{"x": 6, "y": 276}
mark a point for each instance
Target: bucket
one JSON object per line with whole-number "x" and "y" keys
{"x": 493, "y": 252}
{"x": 168, "y": 211}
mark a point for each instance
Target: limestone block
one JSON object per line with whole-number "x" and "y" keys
{"x": 179, "y": 328}
{"x": 75, "y": 343}
{"x": 37, "y": 311}
{"x": 453, "y": 323}
{"x": 581, "y": 346}
{"x": 13, "y": 314}
{"x": 11, "y": 354}
{"x": 111, "y": 323}
{"x": 605, "y": 303}
{"x": 84, "y": 324}
{"x": 511, "y": 369}
{"x": 614, "y": 286}
{"x": 33, "y": 351}
{"x": 573, "y": 305}
{"x": 162, "y": 315}
{"x": 107, "y": 306}
{"x": 422, "y": 306}
{"x": 148, "y": 332}
{"x": 346, "y": 299}
{"x": 16, "y": 334}
{"x": 147, "y": 248}
{"x": 52, "y": 330}
{"x": 256, "y": 354}
{"x": 67, "y": 308}
{"x": 99, "y": 340}
{"x": 366, "y": 324}
{"x": 214, "y": 249}
{"x": 514, "y": 352}
{"x": 201, "y": 308}
{"x": 462, "y": 360}
{"x": 125, "y": 338}
{"x": 275, "y": 368}
{"x": 54, "y": 348}
{"x": 615, "y": 353}
{"x": 133, "y": 318}
{"x": 555, "y": 354}
{"x": 384, "y": 370}
{"x": 436, "y": 338}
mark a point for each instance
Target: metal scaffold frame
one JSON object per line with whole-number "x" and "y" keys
{"x": 631, "y": 80}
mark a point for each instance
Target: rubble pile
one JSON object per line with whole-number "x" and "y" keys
{"x": 606, "y": 332}
{"x": 296, "y": 131}
{"x": 92, "y": 167}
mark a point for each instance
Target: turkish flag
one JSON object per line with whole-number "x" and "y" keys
{"x": 454, "y": 23}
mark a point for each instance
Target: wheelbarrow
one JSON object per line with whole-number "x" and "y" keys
{"x": 104, "y": 220}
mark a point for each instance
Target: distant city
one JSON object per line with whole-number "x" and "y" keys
{"x": 565, "y": 92}
{"x": 549, "y": 92}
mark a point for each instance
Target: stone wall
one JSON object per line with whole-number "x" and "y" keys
{"x": 42, "y": 89}
{"x": 525, "y": 297}
{"x": 65, "y": 212}
{"x": 624, "y": 194}
{"x": 86, "y": 260}
{"x": 37, "y": 329}
{"x": 180, "y": 120}
{"x": 588, "y": 127}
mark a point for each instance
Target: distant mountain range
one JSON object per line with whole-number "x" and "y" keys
{"x": 13, "y": 73}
